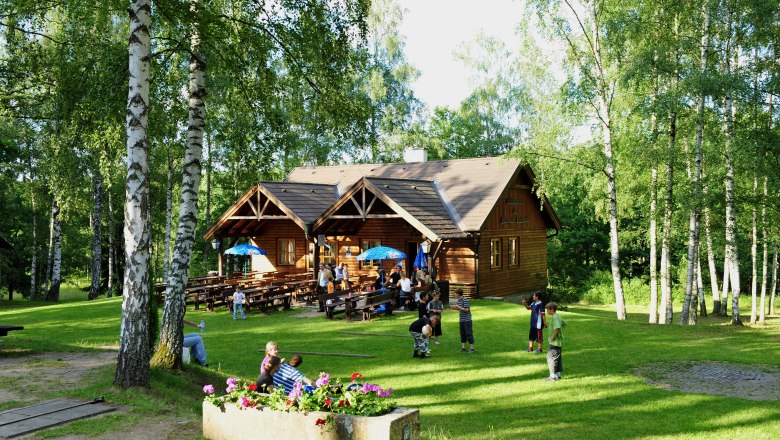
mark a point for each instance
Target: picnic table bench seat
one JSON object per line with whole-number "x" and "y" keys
{"x": 341, "y": 301}
{"x": 375, "y": 301}
{"x": 275, "y": 298}
{"x": 4, "y": 329}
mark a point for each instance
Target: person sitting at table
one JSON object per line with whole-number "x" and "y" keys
{"x": 379, "y": 283}
{"x": 405, "y": 286}
{"x": 288, "y": 374}
{"x": 395, "y": 276}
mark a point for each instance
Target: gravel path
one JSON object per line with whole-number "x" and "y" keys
{"x": 754, "y": 382}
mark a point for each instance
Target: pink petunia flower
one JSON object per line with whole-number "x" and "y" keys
{"x": 208, "y": 389}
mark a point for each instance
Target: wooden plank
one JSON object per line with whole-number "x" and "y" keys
{"x": 374, "y": 334}
{"x": 317, "y": 353}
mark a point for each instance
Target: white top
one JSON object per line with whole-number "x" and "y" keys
{"x": 238, "y": 297}
{"x": 406, "y": 284}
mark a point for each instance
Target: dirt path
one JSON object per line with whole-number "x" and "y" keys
{"x": 68, "y": 370}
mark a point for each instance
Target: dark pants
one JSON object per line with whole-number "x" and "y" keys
{"x": 466, "y": 335}
{"x": 554, "y": 360}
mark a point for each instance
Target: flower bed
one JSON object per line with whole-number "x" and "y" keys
{"x": 331, "y": 411}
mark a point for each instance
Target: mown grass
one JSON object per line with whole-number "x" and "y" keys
{"x": 497, "y": 393}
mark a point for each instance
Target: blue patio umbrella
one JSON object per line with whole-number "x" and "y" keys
{"x": 421, "y": 258}
{"x": 245, "y": 249}
{"x": 381, "y": 253}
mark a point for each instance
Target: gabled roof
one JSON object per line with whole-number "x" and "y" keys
{"x": 471, "y": 187}
{"x": 418, "y": 202}
{"x": 299, "y": 202}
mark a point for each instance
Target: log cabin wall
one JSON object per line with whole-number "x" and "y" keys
{"x": 456, "y": 261}
{"x": 269, "y": 242}
{"x": 516, "y": 217}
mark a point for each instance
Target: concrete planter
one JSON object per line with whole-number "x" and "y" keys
{"x": 230, "y": 423}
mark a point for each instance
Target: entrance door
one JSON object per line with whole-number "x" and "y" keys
{"x": 411, "y": 254}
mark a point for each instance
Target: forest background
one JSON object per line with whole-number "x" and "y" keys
{"x": 657, "y": 143}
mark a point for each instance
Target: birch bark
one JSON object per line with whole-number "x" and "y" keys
{"x": 765, "y": 256}
{"x": 133, "y": 361}
{"x": 169, "y": 349}
{"x": 693, "y": 221}
{"x": 773, "y": 289}
{"x": 168, "y": 217}
{"x": 53, "y": 293}
{"x": 710, "y": 252}
{"x": 97, "y": 244}
{"x": 653, "y": 314}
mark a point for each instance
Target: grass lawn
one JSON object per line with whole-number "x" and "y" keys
{"x": 496, "y": 393}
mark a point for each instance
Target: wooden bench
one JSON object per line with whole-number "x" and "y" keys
{"x": 270, "y": 298}
{"x": 374, "y": 301}
{"x": 341, "y": 301}
{"x": 4, "y": 329}
{"x": 254, "y": 295}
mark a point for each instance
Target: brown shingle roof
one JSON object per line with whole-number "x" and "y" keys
{"x": 472, "y": 185}
{"x": 306, "y": 200}
{"x": 421, "y": 200}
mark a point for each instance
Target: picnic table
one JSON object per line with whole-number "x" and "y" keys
{"x": 331, "y": 303}
{"x": 4, "y": 329}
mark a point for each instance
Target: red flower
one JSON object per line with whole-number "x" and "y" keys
{"x": 355, "y": 376}
{"x": 320, "y": 422}
{"x": 252, "y": 387}
{"x": 328, "y": 402}
{"x": 288, "y": 403}
{"x": 347, "y": 402}
{"x": 341, "y": 403}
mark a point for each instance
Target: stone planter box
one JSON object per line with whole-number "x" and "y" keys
{"x": 230, "y": 423}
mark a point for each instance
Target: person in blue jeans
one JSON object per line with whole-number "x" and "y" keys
{"x": 194, "y": 342}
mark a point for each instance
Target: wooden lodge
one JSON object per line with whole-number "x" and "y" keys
{"x": 484, "y": 227}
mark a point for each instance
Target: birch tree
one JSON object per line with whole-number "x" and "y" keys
{"x": 693, "y": 222}
{"x": 169, "y": 349}
{"x": 53, "y": 293}
{"x": 133, "y": 362}
{"x": 97, "y": 244}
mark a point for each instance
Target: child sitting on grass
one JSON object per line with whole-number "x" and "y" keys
{"x": 265, "y": 382}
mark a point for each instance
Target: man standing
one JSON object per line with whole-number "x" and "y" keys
{"x": 323, "y": 278}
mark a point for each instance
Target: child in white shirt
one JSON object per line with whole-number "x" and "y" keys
{"x": 238, "y": 304}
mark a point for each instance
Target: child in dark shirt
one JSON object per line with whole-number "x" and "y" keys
{"x": 265, "y": 382}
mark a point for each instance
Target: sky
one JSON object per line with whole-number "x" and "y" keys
{"x": 433, "y": 29}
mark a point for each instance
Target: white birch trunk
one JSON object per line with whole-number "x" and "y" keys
{"x": 754, "y": 257}
{"x": 665, "y": 314}
{"x": 111, "y": 247}
{"x": 34, "y": 261}
{"x": 710, "y": 253}
{"x": 693, "y": 221}
{"x": 97, "y": 244}
{"x": 168, "y": 217}
{"x": 731, "y": 216}
{"x": 700, "y": 286}
{"x": 50, "y": 254}
{"x": 53, "y": 293}
{"x": 133, "y": 361}
{"x": 724, "y": 296}
{"x": 653, "y": 314}
{"x": 604, "y": 97}
{"x": 765, "y": 256}
{"x": 169, "y": 349}
{"x": 773, "y": 289}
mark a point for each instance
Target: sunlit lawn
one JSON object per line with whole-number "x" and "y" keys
{"x": 499, "y": 392}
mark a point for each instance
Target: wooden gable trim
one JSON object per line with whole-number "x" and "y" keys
{"x": 211, "y": 232}
{"x": 412, "y": 220}
{"x": 362, "y": 185}
{"x": 548, "y": 210}
{"x": 243, "y": 221}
